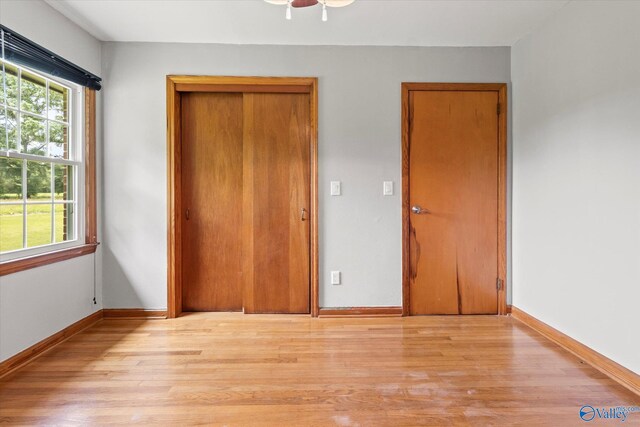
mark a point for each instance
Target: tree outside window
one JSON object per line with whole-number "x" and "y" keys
{"x": 38, "y": 163}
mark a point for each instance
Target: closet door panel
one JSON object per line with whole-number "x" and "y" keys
{"x": 212, "y": 174}
{"x": 276, "y": 258}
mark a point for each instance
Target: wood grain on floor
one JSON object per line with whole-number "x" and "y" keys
{"x": 283, "y": 370}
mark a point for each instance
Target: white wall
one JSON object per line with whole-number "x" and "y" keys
{"x": 37, "y": 303}
{"x": 359, "y": 144}
{"x": 576, "y": 176}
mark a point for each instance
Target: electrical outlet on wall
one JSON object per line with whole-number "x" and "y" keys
{"x": 335, "y": 277}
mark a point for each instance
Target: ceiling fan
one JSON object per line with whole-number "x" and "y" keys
{"x": 306, "y": 3}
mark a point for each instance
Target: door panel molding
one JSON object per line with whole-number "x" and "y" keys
{"x": 176, "y": 85}
{"x": 501, "y": 90}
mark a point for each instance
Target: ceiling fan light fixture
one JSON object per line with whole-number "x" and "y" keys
{"x": 307, "y": 3}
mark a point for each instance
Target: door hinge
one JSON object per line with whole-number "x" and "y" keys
{"x": 499, "y": 109}
{"x": 498, "y": 283}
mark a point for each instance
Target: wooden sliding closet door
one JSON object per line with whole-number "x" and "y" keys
{"x": 212, "y": 197}
{"x": 276, "y": 203}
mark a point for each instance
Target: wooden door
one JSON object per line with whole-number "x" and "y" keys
{"x": 276, "y": 203}
{"x": 453, "y": 178}
{"x": 212, "y": 200}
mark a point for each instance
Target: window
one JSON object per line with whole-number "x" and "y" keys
{"x": 41, "y": 164}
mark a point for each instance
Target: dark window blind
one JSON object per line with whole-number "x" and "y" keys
{"x": 22, "y": 51}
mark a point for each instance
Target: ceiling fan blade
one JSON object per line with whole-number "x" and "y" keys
{"x": 304, "y": 3}
{"x": 338, "y": 3}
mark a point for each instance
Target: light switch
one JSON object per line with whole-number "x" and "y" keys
{"x": 335, "y": 188}
{"x": 335, "y": 277}
{"x": 387, "y": 188}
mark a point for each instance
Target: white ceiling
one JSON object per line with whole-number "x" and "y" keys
{"x": 365, "y": 22}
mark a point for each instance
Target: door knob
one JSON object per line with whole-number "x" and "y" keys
{"x": 419, "y": 210}
{"x": 303, "y": 214}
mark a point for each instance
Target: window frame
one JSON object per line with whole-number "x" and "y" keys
{"x": 83, "y": 100}
{"x": 75, "y": 126}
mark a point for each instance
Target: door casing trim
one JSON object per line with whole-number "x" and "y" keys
{"x": 178, "y": 84}
{"x": 501, "y": 89}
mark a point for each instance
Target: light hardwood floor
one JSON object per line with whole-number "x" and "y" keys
{"x": 289, "y": 370}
